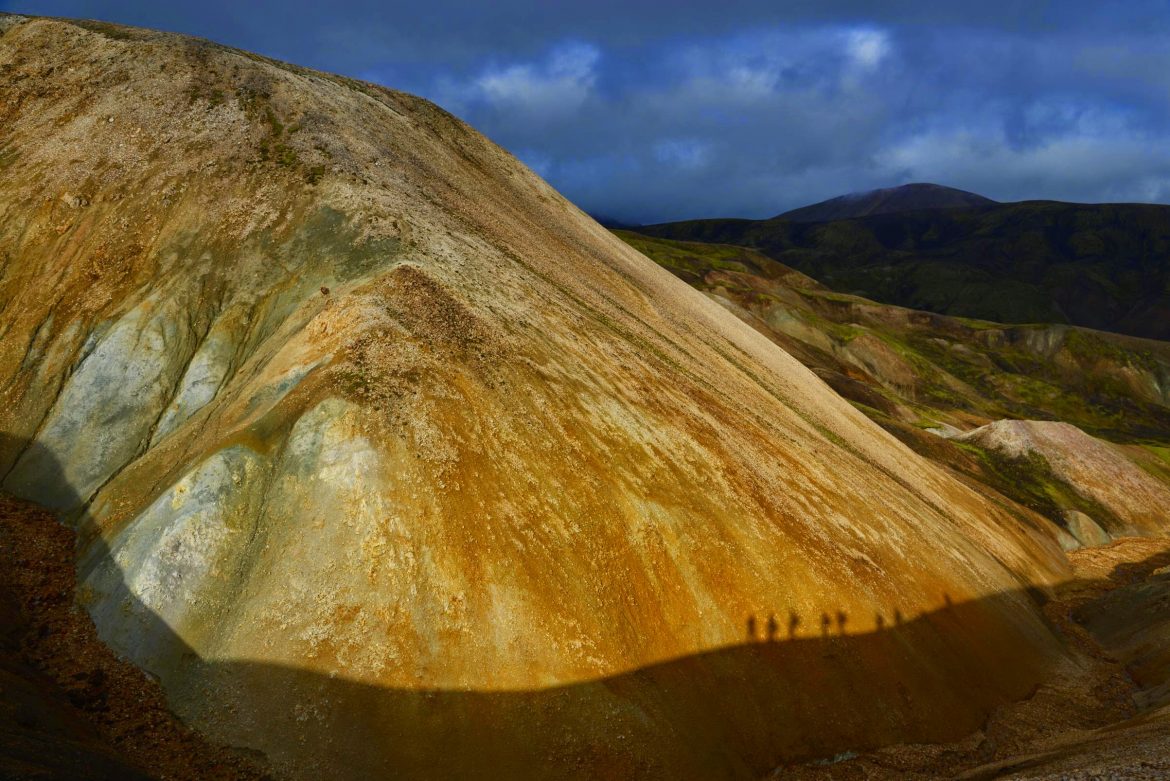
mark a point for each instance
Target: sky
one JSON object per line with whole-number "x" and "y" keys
{"x": 654, "y": 111}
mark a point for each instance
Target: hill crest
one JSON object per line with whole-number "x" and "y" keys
{"x": 887, "y": 200}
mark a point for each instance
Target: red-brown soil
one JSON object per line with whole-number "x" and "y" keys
{"x": 70, "y": 708}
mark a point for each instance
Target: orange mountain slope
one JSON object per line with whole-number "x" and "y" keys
{"x": 384, "y": 456}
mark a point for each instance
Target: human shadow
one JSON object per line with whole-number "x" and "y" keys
{"x": 738, "y": 711}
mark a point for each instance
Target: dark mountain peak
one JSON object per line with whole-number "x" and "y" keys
{"x": 907, "y": 197}
{"x": 614, "y": 223}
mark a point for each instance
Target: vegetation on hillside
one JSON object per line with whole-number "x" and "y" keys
{"x": 1103, "y": 266}
{"x": 913, "y": 371}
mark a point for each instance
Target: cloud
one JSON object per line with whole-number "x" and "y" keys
{"x": 1086, "y": 162}
{"x": 754, "y": 123}
{"x": 559, "y": 85}
{"x": 868, "y": 47}
{"x": 714, "y": 126}
{"x": 687, "y": 153}
{"x": 650, "y": 111}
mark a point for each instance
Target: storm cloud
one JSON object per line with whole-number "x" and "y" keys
{"x": 657, "y": 111}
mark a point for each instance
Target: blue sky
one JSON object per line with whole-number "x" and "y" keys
{"x": 651, "y": 111}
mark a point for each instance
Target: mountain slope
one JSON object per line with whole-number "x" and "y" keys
{"x": 385, "y": 458}
{"x": 1125, "y": 500}
{"x": 1102, "y": 266}
{"x": 915, "y": 372}
{"x": 888, "y": 200}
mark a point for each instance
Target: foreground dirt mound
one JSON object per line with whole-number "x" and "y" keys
{"x": 70, "y": 708}
{"x": 386, "y": 459}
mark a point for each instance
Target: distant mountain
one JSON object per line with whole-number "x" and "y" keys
{"x": 888, "y": 200}
{"x": 613, "y": 223}
{"x": 1104, "y": 266}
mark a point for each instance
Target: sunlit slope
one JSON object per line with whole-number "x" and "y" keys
{"x": 927, "y": 378}
{"x": 1103, "y": 486}
{"x": 335, "y": 386}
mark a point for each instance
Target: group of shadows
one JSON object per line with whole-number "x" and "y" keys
{"x": 768, "y": 629}
{"x": 731, "y": 712}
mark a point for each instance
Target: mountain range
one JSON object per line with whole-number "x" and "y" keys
{"x": 1103, "y": 266}
{"x": 926, "y": 378}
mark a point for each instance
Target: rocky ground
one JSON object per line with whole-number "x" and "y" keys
{"x": 70, "y": 708}
{"x": 1106, "y": 717}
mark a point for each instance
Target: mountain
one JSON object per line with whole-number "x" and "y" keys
{"x": 944, "y": 386}
{"x": 919, "y": 375}
{"x": 384, "y": 459}
{"x": 1111, "y": 495}
{"x": 888, "y": 200}
{"x": 613, "y": 222}
{"x": 1103, "y": 266}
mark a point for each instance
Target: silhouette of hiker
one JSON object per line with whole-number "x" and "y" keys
{"x": 826, "y": 622}
{"x": 773, "y": 627}
{"x": 751, "y": 627}
{"x": 793, "y": 623}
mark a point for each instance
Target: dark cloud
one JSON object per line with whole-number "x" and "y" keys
{"x": 650, "y": 111}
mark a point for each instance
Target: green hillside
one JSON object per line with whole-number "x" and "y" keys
{"x": 1100, "y": 266}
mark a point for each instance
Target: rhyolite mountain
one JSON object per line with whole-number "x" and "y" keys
{"x": 387, "y": 461}
{"x": 887, "y": 200}
{"x": 1103, "y": 266}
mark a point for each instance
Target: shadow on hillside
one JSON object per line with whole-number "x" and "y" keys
{"x": 799, "y": 689}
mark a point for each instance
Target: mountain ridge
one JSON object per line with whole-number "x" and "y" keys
{"x": 1100, "y": 266}
{"x": 930, "y": 380}
{"x": 917, "y": 196}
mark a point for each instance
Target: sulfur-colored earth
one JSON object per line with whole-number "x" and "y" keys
{"x": 383, "y": 458}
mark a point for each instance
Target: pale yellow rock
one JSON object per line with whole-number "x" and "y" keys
{"x": 1085, "y": 530}
{"x": 1099, "y": 471}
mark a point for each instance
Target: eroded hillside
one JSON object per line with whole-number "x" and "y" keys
{"x": 385, "y": 458}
